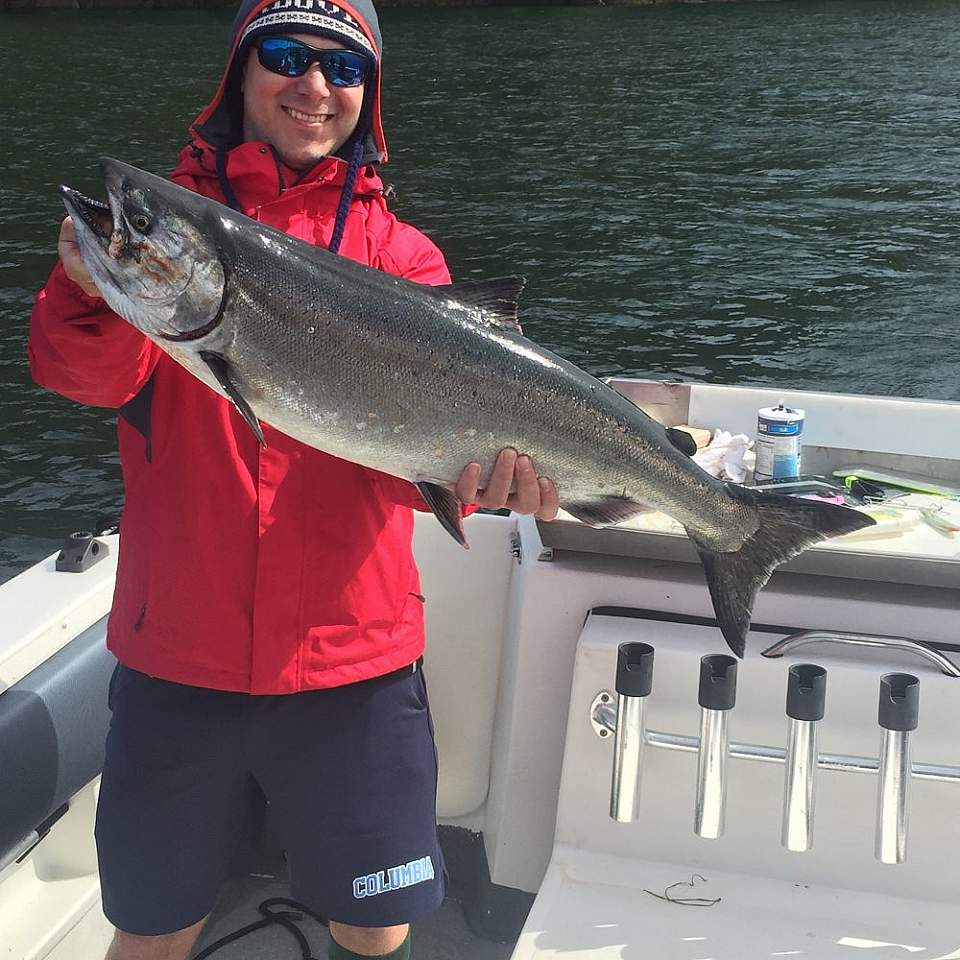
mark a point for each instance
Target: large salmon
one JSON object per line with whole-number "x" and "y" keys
{"x": 415, "y": 381}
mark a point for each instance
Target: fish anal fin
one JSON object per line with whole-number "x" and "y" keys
{"x": 220, "y": 368}
{"x": 682, "y": 441}
{"x": 604, "y": 511}
{"x": 446, "y": 508}
{"x": 496, "y": 299}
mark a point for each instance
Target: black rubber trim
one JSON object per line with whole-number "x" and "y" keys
{"x": 642, "y": 613}
{"x": 492, "y": 911}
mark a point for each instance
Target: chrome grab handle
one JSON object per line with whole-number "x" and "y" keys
{"x": 901, "y": 644}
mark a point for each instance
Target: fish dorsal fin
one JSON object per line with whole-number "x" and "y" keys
{"x": 682, "y": 441}
{"x": 495, "y": 299}
{"x": 446, "y": 507}
{"x": 220, "y": 368}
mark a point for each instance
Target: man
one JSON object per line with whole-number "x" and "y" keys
{"x": 267, "y": 615}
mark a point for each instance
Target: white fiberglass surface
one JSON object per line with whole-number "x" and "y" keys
{"x": 608, "y": 908}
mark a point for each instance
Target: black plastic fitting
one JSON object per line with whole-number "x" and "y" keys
{"x": 899, "y": 701}
{"x": 718, "y": 682}
{"x": 634, "y": 669}
{"x": 79, "y": 552}
{"x": 806, "y": 691}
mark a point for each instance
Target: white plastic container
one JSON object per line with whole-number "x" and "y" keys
{"x": 778, "y": 449}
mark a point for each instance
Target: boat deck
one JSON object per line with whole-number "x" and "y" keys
{"x": 441, "y": 936}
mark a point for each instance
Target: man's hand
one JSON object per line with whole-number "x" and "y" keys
{"x": 532, "y": 494}
{"x": 73, "y": 265}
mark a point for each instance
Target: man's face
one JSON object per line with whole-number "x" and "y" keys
{"x": 303, "y": 118}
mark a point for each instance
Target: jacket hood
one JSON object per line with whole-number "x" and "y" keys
{"x": 220, "y": 123}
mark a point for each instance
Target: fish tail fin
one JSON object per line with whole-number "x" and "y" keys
{"x": 787, "y": 526}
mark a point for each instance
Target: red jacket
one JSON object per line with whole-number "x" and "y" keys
{"x": 264, "y": 570}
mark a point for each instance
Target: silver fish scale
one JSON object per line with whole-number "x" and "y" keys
{"x": 399, "y": 379}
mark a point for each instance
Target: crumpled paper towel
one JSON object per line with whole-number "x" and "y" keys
{"x": 728, "y": 456}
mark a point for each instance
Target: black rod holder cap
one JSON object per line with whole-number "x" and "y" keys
{"x": 634, "y": 669}
{"x": 806, "y": 691}
{"x": 899, "y": 701}
{"x": 718, "y": 682}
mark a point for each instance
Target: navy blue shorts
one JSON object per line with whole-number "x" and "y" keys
{"x": 350, "y": 774}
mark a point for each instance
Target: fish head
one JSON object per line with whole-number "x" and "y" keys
{"x": 147, "y": 253}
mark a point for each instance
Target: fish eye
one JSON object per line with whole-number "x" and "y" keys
{"x": 140, "y": 222}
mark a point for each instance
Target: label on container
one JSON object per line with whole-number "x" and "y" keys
{"x": 778, "y": 447}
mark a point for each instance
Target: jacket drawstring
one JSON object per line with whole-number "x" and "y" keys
{"x": 225, "y": 184}
{"x": 346, "y": 195}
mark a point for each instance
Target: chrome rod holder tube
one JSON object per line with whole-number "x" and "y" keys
{"x": 717, "y": 696}
{"x": 634, "y": 683}
{"x": 898, "y": 715}
{"x": 806, "y": 696}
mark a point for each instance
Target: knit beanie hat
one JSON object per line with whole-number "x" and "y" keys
{"x": 322, "y": 17}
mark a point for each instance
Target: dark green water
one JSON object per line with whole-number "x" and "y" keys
{"x": 763, "y": 193}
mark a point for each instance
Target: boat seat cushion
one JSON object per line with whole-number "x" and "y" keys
{"x": 53, "y": 725}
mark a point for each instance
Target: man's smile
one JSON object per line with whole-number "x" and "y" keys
{"x": 308, "y": 117}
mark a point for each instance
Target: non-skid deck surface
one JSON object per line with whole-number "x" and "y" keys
{"x": 442, "y": 936}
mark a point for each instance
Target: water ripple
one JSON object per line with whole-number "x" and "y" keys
{"x": 753, "y": 193}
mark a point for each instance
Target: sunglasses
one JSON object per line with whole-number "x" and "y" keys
{"x": 291, "y": 58}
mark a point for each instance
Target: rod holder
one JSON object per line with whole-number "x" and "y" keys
{"x": 806, "y": 697}
{"x": 634, "y": 682}
{"x": 717, "y": 696}
{"x": 898, "y": 714}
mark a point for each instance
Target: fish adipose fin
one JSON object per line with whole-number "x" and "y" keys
{"x": 604, "y": 512}
{"x": 682, "y": 441}
{"x": 220, "y": 368}
{"x": 495, "y": 299}
{"x": 788, "y": 525}
{"x": 446, "y": 508}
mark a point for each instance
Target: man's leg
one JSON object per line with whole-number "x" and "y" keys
{"x": 351, "y": 775}
{"x": 168, "y": 946}
{"x": 177, "y": 812}
{"x": 367, "y": 941}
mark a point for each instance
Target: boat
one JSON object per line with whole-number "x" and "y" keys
{"x": 611, "y": 785}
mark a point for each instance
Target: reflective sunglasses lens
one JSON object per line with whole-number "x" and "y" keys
{"x": 343, "y": 68}
{"x": 286, "y": 57}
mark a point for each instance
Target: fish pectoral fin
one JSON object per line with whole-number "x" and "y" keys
{"x": 220, "y": 368}
{"x": 495, "y": 299}
{"x": 605, "y": 511}
{"x": 446, "y": 508}
{"x": 682, "y": 441}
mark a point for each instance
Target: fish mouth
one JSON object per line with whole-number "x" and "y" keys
{"x": 95, "y": 215}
